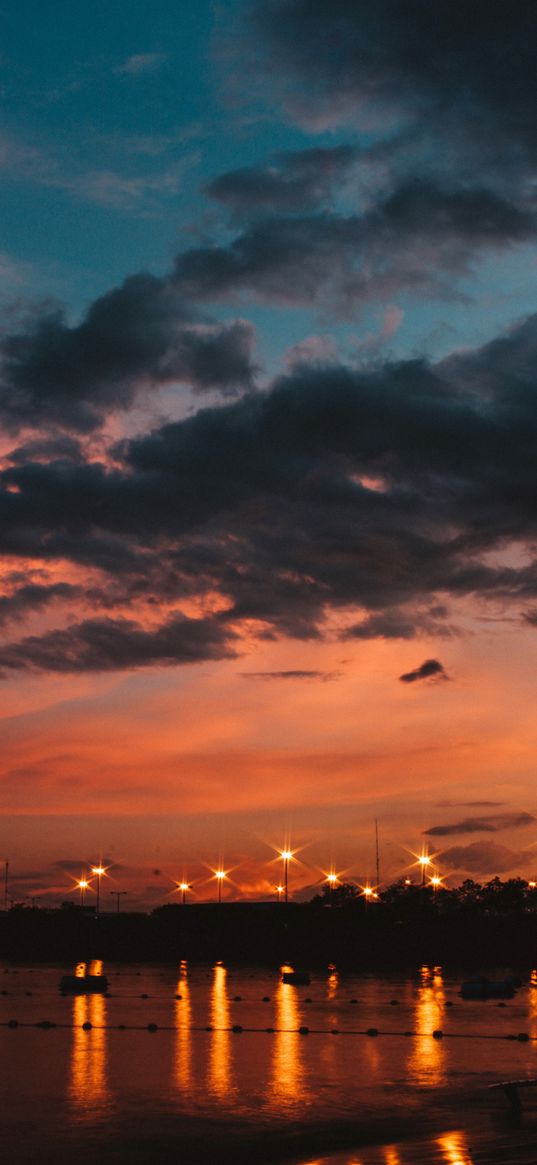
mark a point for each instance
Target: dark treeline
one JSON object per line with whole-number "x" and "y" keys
{"x": 472, "y": 926}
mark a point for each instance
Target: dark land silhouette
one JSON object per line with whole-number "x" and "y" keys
{"x": 473, "y": 926}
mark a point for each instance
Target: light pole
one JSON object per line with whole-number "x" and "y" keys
{"x": 220, "y": 876}
{"x": 98, "y": 871}
{"x": 279, "y": 890}
{"x": 82, "y": 885}
{"x": 6, "y": 873}
{"x": 435, "y": 881}
{"x": 424, "y": 861}
{"x": 332, "y": 881}
{"x": 286, "y": 856}
{"x": 183, "y": 887}
{"x": 118, "y": 894}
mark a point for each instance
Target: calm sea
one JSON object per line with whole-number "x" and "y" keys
{"x": 195, "y": 1090}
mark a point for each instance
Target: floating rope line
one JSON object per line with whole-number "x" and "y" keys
{"x": 437, "y": 1034}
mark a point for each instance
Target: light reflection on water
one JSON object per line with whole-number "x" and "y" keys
{"x": 426, "y": 1064}
{"x": 182, "y": 1071}
{"x": 88, "y": 1083}
{"x": 183, "y": 1042}
{"x": 286, "y": 1084}
{"x": 454, "y": 1147}
{"x": 219, "y": 1067}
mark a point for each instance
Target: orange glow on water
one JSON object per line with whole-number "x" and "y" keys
{"x": 219, "y": 1065}
{"x": 286, "y": 1086}
{"x": 183, "y": 1024}
{"x": 88, "y": 1075}
{"x": 426, "y": 1063}
{"x": 455, "y": 1150}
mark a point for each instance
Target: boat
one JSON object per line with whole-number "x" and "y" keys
{"x": 483, "y": 988}
{"x": 296, "y": 978}
{"x": 84, "y": 984}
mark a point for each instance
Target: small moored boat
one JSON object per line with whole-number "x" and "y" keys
{"x": 483, "y": 988}
{"x": 296, "y": 978}
{"x": 84, "y": 984}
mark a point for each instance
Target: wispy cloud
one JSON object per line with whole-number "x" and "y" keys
{"x": 140, "y": 63}
{"x": 490, "y": 824}
{"x": 323, "y": 676}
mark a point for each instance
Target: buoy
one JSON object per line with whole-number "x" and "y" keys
{"x": 372, "y": 1031}
{"x": 152, "y": 1027}
{"x": 236, "y": 1027}
{"x": 438, "y": 1034}
{"x": 304, "y": 1031}
{"x": 87, "y": 1026}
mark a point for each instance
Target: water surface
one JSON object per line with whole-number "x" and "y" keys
{"x": 194, "y": 1089}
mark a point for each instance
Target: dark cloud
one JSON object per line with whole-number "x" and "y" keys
{"x": 483, "y": 857}
{"x": 466, "y": 74}
{"x": 62, "y": 447}
{"x": 323, "y": 676}
{"x": 396, "y": 624}
{"x": 105, "y": 644}
{"x": 139, "y": 334}
{"x": 291, "y": 181}
{"x": 34, "y": 597}
{"x": 429, "y": 669}
{"x": 409, "y": 241}
{"x": 269, "y": 502}
{"x": 491, "y": 824}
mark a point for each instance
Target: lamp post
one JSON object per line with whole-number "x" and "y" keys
{"x": 332, "y": 881}
{"x": 279, "y": 890}
{"x": 98, "y": 871}
{"x": 435, "y": 881}
{"x": 82, "y": 885}
{"x": 286, "y": 856}
{"x": 220, "y": 876}
{"x": 183, "y": 887}
{"x": 424, "y": 861}
{"x": 6, "y": 874}
{"x": 118, "y": 894}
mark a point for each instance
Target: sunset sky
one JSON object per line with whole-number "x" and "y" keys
{"x": 268, "y": 488}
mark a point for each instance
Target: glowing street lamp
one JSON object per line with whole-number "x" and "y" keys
{"x": 423, "y": 861}
{"x": 98, "y": 871}
{"x": 279, "y": 890}
{"x": 368, "y": 894}
{"x": 183, "y": 887}
{"x": 332, "y": 880}
{"x": 286, "y": 856}
{"x": 82, "y": 885}
{"x": 220, "y": 876}
{"x": 435, "y": 881}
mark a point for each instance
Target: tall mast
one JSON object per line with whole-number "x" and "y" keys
{"x": 377, "y": 850}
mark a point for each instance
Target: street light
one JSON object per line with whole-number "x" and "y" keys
{"x": 118, "y": 894}
{"x": 435, "y": 881}
{"x": 423, "y": 861}
{"x": 279, "y": 890}
{"x": 98, "y": 871}
{"x": 220, "y": 876}
{"x": 82, "y": 885}
{"x": 183, "y": 887}
{"x": 286, "y": 856}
